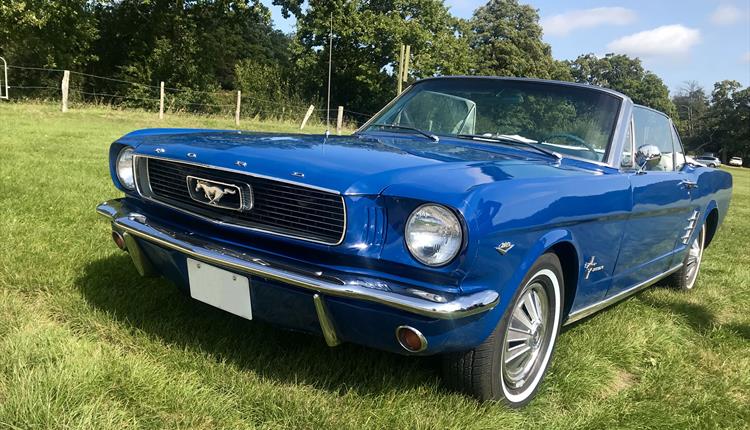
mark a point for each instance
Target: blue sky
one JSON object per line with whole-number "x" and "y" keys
{"x": 680, "y": 40}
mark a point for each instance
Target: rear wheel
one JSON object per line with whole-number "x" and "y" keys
{"x": 510, "y": 364}
{"x": 684, "y": 279}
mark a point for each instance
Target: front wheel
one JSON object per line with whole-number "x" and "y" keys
{"x": 510, "y": 364}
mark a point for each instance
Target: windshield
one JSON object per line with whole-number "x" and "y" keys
{"x": 566, "y": 119}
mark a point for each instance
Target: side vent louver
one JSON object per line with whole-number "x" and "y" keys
{"x": 690, "y": 227}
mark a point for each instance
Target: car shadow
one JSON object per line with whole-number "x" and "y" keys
{"x": 159, "y": 308}
{"x": 698, "y": 317}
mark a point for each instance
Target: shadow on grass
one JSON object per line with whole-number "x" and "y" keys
{"x": 698, "y": 317}
{"x": 742, "y": 330}
{"x": 158, "y": 308}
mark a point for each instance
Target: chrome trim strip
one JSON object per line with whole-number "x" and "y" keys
{"x": 326, "y": 323}
{"x": 244, "y": 227}
{"x": 596, "y": 307}
{"x": 138, "y": 225}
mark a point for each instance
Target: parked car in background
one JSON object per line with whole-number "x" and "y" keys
{"x": 735, "y": 161}
{"x": 709, "y": 160}
{"x": 471, "y": 218}
{"x": 693, "y": 161}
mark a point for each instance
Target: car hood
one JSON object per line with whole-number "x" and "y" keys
{"x": 363, "y": 164}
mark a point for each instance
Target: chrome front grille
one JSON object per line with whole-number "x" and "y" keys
{"x": 278, "y": 207}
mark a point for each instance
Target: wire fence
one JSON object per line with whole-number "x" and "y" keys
{"x": 40, "y": 83}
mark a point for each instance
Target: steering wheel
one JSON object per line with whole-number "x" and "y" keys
{"x": 575, "y": 139}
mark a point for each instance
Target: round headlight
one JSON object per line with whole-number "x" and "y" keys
{"x": 125, "y": 168}
{"x": 433, "y": 235}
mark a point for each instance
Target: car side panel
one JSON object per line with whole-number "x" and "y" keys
{"x": 661, "y": 208}
{"x": 588, "y": 212}
{"x": 714, "y": 191}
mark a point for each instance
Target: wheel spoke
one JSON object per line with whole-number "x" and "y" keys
{"x": 515, "y": 335}
{"x": 520, "y": 316}
{"x": 538, "y": 307}
{"x": 516, "y": 352}
{"x": 530, "y": 308}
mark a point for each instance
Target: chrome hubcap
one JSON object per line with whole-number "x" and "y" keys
{"x": 695, "y": 254}
{"x": 525, "y": 336}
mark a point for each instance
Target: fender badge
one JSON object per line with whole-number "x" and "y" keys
{"x": 504, "y": 247}
{"x": 591, "y": 266}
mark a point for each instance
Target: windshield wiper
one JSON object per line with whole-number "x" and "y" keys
{"x": 511, "y": 141}
{"x": 426, "y": 134}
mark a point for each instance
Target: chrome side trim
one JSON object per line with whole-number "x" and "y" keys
{"x": 146, "y": 196}
{"x": 326, "y": 323}
{"x": 450, "y": 308}
{"x": 596, "y": 307}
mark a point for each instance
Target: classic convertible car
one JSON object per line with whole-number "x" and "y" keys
{"x": 470, "y": 218}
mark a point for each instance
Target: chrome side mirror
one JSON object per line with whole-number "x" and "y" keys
{"x": 647, "y": 156}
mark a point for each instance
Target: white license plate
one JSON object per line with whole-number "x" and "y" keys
{"x": 220, "y": 288}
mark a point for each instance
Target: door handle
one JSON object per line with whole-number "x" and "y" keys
{"x": 688, "y": 184}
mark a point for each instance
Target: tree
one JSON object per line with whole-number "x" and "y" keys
{"x": 507, "y": 39}
{"x": 366, "y": 41}
{"x": 46, "y": 33}
{"x": 626, "y": 75}
{"x": 729, "y": 120}
{"x": 692, "y": 104}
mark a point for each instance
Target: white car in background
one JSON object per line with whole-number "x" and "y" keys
{"x": 735, "y": 161}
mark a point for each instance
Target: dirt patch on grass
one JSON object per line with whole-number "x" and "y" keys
{"x": 621, "y": 382}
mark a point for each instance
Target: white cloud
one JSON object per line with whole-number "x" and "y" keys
{"x": 563, "y": 24}
{"x": 726, "y": 14}
{"x": 665, "y": 41}
{"x": 745, "y": 57}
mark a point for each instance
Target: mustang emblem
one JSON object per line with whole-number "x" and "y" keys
{"x": 234, "y": 196}
{"x": 212, "y": 192}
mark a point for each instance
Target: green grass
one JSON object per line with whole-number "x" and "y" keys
{"x": 86, "y": 343}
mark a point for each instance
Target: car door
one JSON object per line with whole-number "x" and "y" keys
{"x": 661, "y": 204}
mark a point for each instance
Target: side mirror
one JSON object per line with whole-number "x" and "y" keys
{"x": 647, "y": 156}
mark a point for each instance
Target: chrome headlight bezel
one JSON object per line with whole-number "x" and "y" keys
{"x": 125, "y": 167}
{"x": 452, "y": 232}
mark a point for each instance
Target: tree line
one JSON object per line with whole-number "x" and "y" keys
{"x": 202, "y": 48}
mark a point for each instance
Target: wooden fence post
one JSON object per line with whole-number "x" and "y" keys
{"x": 340, "y": 120}
{"x": 307, "y": 116}
{"x": 400, "y": 71}
{"x": 237, "y": 111}
{"x": 406, "y": 62}
{"x": 161, "y": 101}
{"x": 65, "y": 88}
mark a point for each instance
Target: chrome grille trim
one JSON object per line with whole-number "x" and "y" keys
{"x": 141, "y": 176}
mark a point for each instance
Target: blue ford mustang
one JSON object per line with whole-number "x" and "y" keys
{"x": 471, "y": 218}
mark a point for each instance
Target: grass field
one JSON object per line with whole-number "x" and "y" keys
{"x": 86, "y": 343}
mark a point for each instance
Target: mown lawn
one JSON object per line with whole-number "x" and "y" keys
{"x": 86, "y": 343}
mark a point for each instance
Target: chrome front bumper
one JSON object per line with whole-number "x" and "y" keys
{"x": 420, "y": 302}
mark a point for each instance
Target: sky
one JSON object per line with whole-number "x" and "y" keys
{"x": 679, "y": 40}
